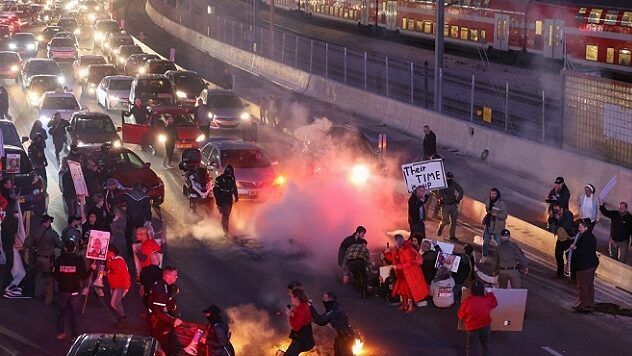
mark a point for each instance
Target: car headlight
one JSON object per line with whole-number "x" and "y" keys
{"x": 98, "y": 36}
{"x": 46, "y": 18}
{"x": 92, "y": 17}
{"x": 44, "y": 118}
{"x": 77, "y": 32}
{"x": 61, "y": 79}
{"x": 116, "y": 144}
{"x": 162, "y": 138}
{"x": 141, "y": 70}
{"x": 245, "y": 116}
{"x": 14, "y": 68}
{"x": 91, "y": 89}
{"x": 81, "y": 143}
{"x": 12, "y": 46}
{"x": 200, "y": 138}
{"x": 121, "y": 60}
{"x": 180, "y": 94}
{"x": 40, "y": 38}
{"x": 30, "y": 46}
{"x": 34, "y": 98}
{"x": 83, "y": 73}
{"x": 211, "y": 115}
{"x": 280, "y": 180}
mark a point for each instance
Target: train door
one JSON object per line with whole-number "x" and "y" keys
{"x": 365, "y": 8}
{"x": 391, "y": 15}
{"x": 501, "y": 32}
{"x": 553, "y": 38}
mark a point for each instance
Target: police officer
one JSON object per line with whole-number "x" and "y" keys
{"x": 510, "y": 261}
{"x": 161, "y": 305}
{"x": 69, "y": 271}
{"x": 337, "y": 317}
{"x": 37, "y": 156}
{"x": 224, "y": 191}
{"x": 42, "y": 242}
{"x": 450, "y": 197}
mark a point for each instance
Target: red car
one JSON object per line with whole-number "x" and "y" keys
{"x": 151, "y": 134}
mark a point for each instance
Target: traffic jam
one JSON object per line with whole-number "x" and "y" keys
{"x": 95, "y": 123}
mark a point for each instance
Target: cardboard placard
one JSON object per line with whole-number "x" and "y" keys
{"x": 13, "y": 163}
{"x": 604, "y": 192}
{"x": 77, "y": 178}
{"x": 385, "y": 272}
{"x": 445, "y": 247}
{"x": 1, "y": 144}
{"x": 429, "y": 174}
{"x": 509, "y": 314}
{"x": 450, "y": 261}
{"x": 98, "y": 243}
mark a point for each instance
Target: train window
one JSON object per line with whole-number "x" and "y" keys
{"x": 483, "y": 36}
{"x": 464, "y": 33}
{"x": 581, "y": 14}
{"x": 595, "y": 15}
{"x": 454, "y": 31}
{"x": 420, "y": 26}
{"x": 404, "y": 22}
{"x": 474, "y": 35}
{"x": 611, "y": 18}
{"x": 446, "y": 30}
{"x": 411, "y": 25}
{"x": 626, "y": 19}
{"x": 625, "y": 57}
{"x": 592, "y": 52}
{"x": 609, "y": 55}
{"x": 538, "y": 28}
{"x": 428, "y": 27}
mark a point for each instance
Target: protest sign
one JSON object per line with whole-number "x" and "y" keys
{"x": 604, "y": 192}
{"x": 429, "y": 174}
{"x": 77, "y": 178}
{"x": 98, "y": 243}
{"x": 444, "y": 246}
{"x": 449, "y": 261}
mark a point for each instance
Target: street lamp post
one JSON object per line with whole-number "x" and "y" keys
{"x": 438, "y": 69}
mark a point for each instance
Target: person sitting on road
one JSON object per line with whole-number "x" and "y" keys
{"x": 441, "y": 288}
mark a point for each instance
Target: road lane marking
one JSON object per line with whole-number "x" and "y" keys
{"x": 551, "y": 351}
{"x": 19, "y": 338}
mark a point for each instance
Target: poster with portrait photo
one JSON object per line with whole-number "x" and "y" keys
{"x": 98, "y": 243}
{"x": 13, "y": 163}
{"x": 450, "y": 261}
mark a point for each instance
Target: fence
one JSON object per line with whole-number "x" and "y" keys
{"x": 506, "y": 108}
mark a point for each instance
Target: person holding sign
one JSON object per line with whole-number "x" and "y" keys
{"x": 620, "y": 230}
{"x": 450, "y": 197}
{"x": 417, "y": 211}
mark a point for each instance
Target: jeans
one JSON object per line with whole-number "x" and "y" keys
{"x": 619, "y": 250}
{"x": 560, "y": 247}
{"x": 69, "y": 307}
{"x": 117, "y": 301}
{"x": 450, "y": 215}
{"x": 225, "y": 211}
{"x": 487, "y": 236}
{"x": 474, "y": 337}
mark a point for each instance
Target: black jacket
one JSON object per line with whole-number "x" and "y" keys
{"x": 93, "y": 181}
{"x": 620, "y": 225}
{"x": 225, "y": 189}
{"x": 37, "y": 156}
{"x": 585, "y": 256}
{"x": 430, "y": 144}
{"x": 565, "y": 221}
{"x": 336, "y": 317}
{"x": 141, "y": 114}
{"x": 4, "y": 100}
{"x": 69, "y": 271}
{"x": 57, "y": 129}
{"x": 448, "y": 196}
{"x": 138, "y": 207}
{"x": 416, "y": 209}
{"x": 562, "y": 197}
{"x": 67, "y": 184}
{"x": 217, "y": 338}
{"x": 162, "y": 305}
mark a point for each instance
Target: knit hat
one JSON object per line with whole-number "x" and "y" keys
{"x": 559, "y": 180}
{"x": 591, "y": 187}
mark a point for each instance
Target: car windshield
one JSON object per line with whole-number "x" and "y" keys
{"x": 94, "y": 125}
{"x": 154, "y": 86}
{"x": 224, "y": 101}
{"x": 161, "y": 67}
{"x": 44, "y": 84}
{"x": 143, "y": 58}
{"x": 130, "y": 49}
{"x": 50, "y": 31}
{"x": 86, "y": 61}
{"x": 23, "y": 37}
{"x": 67, "y": 23}
{"x": 62, "y": 42}
{"x": 119, "y": 41}
{"x": 189, "y": 83}
{"x": 44, "y": 67}
{"x": 8, "y": 57}
{"x": 244, "y": 158}
{"x": 60, "y": 103}
{"x": 125, "y": 160}
{"x": 10, "y": 134}
{"x": 179, "y": 119}
{"x": 100, "y": 71}
{"x": 120, "y": 84}
{"x": 107, "y": 26}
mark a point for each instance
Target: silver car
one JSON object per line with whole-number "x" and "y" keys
{"x": 113, "y": 92}
{"x": 254, "y": 172}
{"x": 224, "y": 108}
{"x": 64, "y": 103}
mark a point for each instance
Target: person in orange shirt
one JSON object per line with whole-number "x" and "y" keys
{"x": 147, "y": 247}
{"x": 120, "y": 283}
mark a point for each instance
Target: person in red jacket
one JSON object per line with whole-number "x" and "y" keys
{"x": 147, "y": 247}
{"x": 475, "y": 312}
{"x": 120, "y": 282}
{"x": 411, "y": 285}
{"x": 300, "y": 318}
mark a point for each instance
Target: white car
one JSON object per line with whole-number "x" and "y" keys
{"x": 113, "y": 92}
{"x": 60, "y": 49}
{"x": 62, "y": 102}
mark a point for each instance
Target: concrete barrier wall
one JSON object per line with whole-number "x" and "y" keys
{"x": 540, "y": 162}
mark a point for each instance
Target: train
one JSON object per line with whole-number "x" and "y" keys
{"x": 586, "y": 35}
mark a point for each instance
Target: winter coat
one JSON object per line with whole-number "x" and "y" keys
{"x": 138, "y": 207}
{"x": 344, "y": 245}
{"x": 225, "y": 189}
{"x": 409, "y": 262}
{"x": 301, "y": 323}
{"x": 217, "y": 339}
{"x": 118, "y": 274}
{"x": 562, "y": 196}
{"x": 57, "y": 129}
{"x": 430, "y": 144}
{"x": 428, "y": 266}
{"x": 475, "y": 311}
{"x": 584, "y": 255}
{"x": 620, "y": 225}
{"x": 448, "y": 196}
{"x": 416, "y": 208}
{"x": 496, "y": 223}
{"x": 442, "y": 294}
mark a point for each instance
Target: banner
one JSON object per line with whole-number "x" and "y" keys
{"x": 429, "y": 174}
{"x": 77, "y": 178}
{"x": 604, "y": 192}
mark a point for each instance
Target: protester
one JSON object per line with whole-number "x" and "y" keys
{"x": 140, "y": 112}
{"x": 589, "y": 205}
{"x": 57, "y": 129}
{"x": 162, "y": 311}
{"x": 38, "y": 129}
{"x": 147, "y": 247}
{"x": 264, "y": 104}
{"x": 217, "y": 334}
{"x": 465, "y": 274}
{"x": 450, "y": 197}
{"x": 149, "y": 276}
{"x": 412, "y": 288}
{"x": 224, "y": 191}
{"x": 559, "y": 193}
{"x": 300, "y": 319}
{"x": 511, "y": 261}
{"x": 41, "y": 244}
{"x": 429, "y": 257}
{"x": 494, "y": 220}
{"x": 442, "y": 287}
{"x": 620, "y": 230}
{"x": 560, "y": 223}
{"x": 4, "y": 104}
{"x": 37, "y": 156}
{"x": 137, "y": 212}
{"x": 336, "y": 316}
{"x": 429, "y": 143}
{"x": 416, "y": 239}
{"x": 417, "y": 211}
{"x": 475, "y": 313}
{"x": 227, "y": 80}
{"x": 68, "y": 190}
{"x": 171, "y": 136}
{"x": 120, "y": 282}
{"x": 202, "y": 119}
{"x": 73, "y": 231}
{"x": 92, "y": 177}
{"x": 69, "y": 271}
{"x": 584, "y": 262}
{"x": 359, "y": 234}
{"x": 8, "y": 232}
{"x": 113, "y": 195}
{"x": 96, "y": 205}
{"x": 356, "y": 262}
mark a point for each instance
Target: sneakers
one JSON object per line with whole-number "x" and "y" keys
{"x": 423, "y": 303}
{"x": 14, "y": 292}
